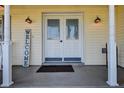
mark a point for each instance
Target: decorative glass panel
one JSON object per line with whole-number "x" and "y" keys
{"x": 53, "y": 29}
{"x": 72, "y": 29}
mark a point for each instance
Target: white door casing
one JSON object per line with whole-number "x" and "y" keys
{"x": 64, "y": 46}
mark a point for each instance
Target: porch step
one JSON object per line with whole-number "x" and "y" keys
{"x": 63, "y": 63}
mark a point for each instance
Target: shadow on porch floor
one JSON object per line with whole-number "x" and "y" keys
{"x": 84, "y": 76}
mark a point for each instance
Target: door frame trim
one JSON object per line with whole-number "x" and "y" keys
{"x": 63, "y": 13}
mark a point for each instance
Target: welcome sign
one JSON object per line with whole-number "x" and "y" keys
{"x": 27, "y": 47}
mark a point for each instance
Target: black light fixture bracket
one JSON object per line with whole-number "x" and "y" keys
{"x": 97, "y": 20}
{"x": 28, "y": 20}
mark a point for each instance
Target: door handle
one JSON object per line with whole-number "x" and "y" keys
{"x": 61, "y": 41}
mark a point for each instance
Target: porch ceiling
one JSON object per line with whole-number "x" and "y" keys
{"x": 54, "y": 6}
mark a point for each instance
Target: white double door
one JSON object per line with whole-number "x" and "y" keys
{"x": 63, "y": 38}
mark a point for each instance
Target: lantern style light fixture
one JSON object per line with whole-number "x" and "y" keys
{"x": 1, "y": 7}
{"x": 28, "y": 20}
{"x": 97, "y": 20}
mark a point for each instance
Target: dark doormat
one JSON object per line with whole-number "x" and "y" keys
{"x": 56, "y": 68}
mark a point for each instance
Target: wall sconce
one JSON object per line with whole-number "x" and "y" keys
{"x": 1, "y": 7}
{"x": 28, "y": 20}
{"x": 97, "y": 20}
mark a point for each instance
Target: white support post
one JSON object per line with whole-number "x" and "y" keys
{"x": 7, "y": 65}
{"x": 112, "y": 64}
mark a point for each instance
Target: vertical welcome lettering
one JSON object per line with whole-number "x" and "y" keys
{"x": 27, "y": 47}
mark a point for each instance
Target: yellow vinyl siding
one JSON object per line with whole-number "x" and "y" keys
{"x": 95, "y": 35}
{"x": 18, "y": 28}
{"x": 120, "y": 33}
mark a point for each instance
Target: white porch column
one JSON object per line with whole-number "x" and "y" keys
{"x": 7, "y": 66}
{"x": 112, "y": 65}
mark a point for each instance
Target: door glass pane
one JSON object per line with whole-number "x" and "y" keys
{"x": 53, "y": 29}
{"x": 72, "y": 29}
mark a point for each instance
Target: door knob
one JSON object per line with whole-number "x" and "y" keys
{"x": 60, "y": 40}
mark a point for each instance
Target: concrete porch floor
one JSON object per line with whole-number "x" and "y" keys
{"x": 84, "y": 76}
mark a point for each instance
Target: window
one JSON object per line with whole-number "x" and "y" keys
{"x": 53, "y": 29}
{"x": 72, "y": 29}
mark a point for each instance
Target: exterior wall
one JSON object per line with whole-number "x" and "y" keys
{"x": 18, "y": 29}
{"x": 120, "y": 33}
{"x": 95, "y": 34}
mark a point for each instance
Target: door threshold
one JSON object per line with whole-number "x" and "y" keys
{"x": 63, "y": 63}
